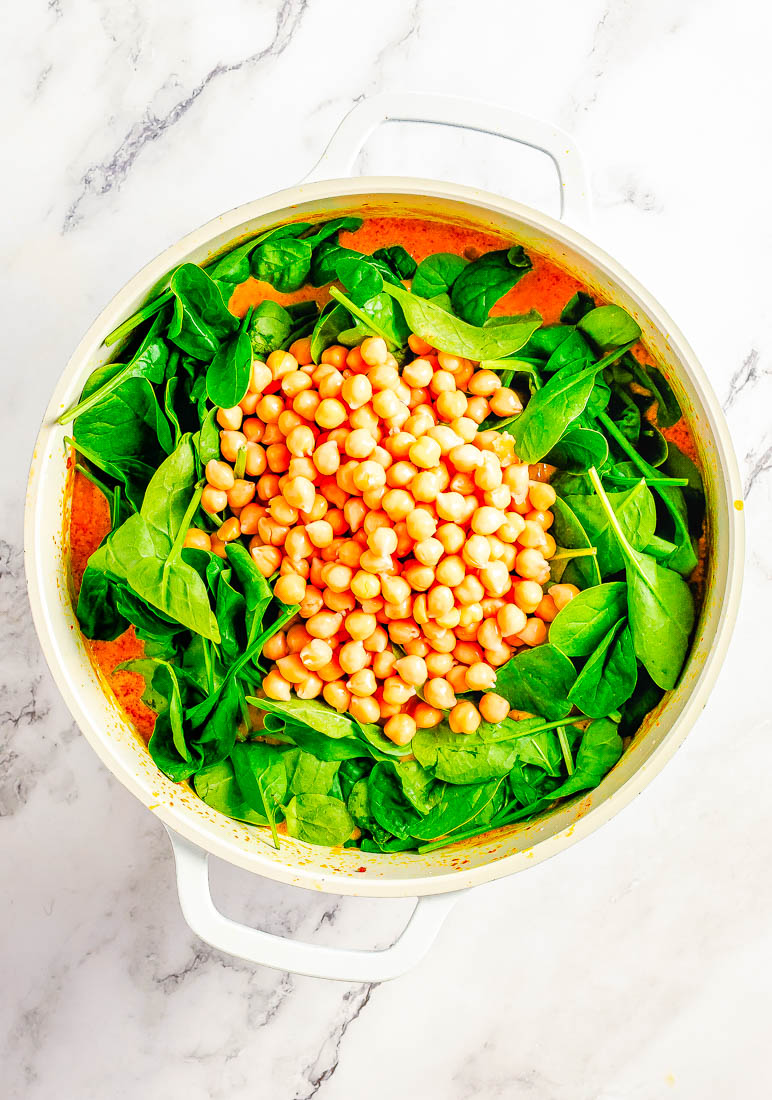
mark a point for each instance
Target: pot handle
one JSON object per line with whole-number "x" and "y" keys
{"x": 337, "y": 161}
{"x": 313, "y": 960}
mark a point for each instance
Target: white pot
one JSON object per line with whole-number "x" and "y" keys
{"x": 437, "y": 878}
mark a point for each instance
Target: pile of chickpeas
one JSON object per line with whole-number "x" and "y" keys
{"x": 416, "y": 545}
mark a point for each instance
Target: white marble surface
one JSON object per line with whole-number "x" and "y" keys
{"x": 634, "y": 966}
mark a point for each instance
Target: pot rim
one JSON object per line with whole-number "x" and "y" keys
{"x": 310, "y": 876}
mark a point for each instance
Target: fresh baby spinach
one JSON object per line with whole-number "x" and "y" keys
{"x": 480, "y": 284}
{"x": 538, "y": 681}
{"x": 660, "y": 605}
{"x": 319, "y": 819}
{"x": 609, "y": 326}
{"x": 437, "y": 274}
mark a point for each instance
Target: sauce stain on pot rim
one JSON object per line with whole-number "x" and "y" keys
{"x": 489, "y": 858}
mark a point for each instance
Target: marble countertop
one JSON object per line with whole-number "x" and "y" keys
{"x": 635, "y": 965}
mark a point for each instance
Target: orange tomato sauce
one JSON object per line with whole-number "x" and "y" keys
{"x": 545, "y": 288}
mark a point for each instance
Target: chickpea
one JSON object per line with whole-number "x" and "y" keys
{"x": 218, "y": 547}
{"x": 260, "y": 376}
{"x": 510, "y": 619}
{"x": 299, "y": 493}
{"x": 362, "y": 683}
{"x": 331, "y": 384}
{"x": 196, "y": 539}
{"x": 356, "y": 391}
{"x": 311, "y": 687}
{"x": 488, "y": 634}
{"x": 534, "y": 632}
{"x": 457, "y": 678}
{"x": 477, "y": 409}
{"x": 360, "y": 625}
{"x": 276, "y": 687}
{"x": 494, "y": 708}
{"x": 213, "y": 500}
{"x": 413, "y": 670}
{"x": 452, "y": 537}
{"x": 374, "y": 351}
{"x": 403, "y": 631}
{"x": 364, "y": 709}
{"x": 352, "y": 657}
{"x": 276, "y": 646}
{"x": 290, "y": 589}
{"x": 495, "y": 578}
{"x": 241, "y": 494}
{"x": 469, "y": 615}
{"x": 229, "y": 530}
{"x": 337, "y": 577}
{"x": 511, "y": 530}
{"x": 451, "y": 571}
{"x": 336, "y": 695}
{"x": 426, "y": 717}
{"x": 383, "y": 540}
{"x": 533, "y": 536}
{"x": 428, "y": 551}
{"x": 316, "y": 654}
{"x": 339, "y": 601}
{"x": 397, "y": 504}
{"x": 425, "y": 453}
{"x": 394, "y": 589}
{"x": 562, "y": 594}
{"x": 505, "y": 402}
{"x": 439, "y": 600}
{"x": 421, "y": 524}
{"x": 383, "y": 663}
{"x": 438, "y": 693}
{"x": 498, "y": 656}
{"x": 516, "y": 478}
{"x": 400, "y": 729}
{"x": 418, "y": 373}
{"x": 530, "y": 563}
{"x": 425, "y": 486}
{"x": 368, "y": 475}
{"x": 480, "y": 676}
{"x": 292, "y": 668}
{"x": 476, "y": 551}
{"x": 451, "y": 404}
{"x": 266, "y": 558}
{"x": 323, "y": 624}
{"x": 396, "y": 691}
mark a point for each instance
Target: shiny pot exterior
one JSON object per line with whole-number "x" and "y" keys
{"x": 349, "y": 871}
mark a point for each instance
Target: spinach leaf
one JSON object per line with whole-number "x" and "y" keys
{"x": 234, "y": 268}
{"x": 448, "y": 333}
{"x": 644, "y": 699}
{"x": 551, "y": 410}
{"x": 578, "y": 449}
{"x": 257, "y": 591}
{"x": 308, "y": 712}
{"x": 262, "y": 777}
{"x": 483, "y": 282}
{"x": 149, "y": 362}
{"x": 360, "y": 278}
{"x": 457, "y": 806}
{"x": 227, "y": 377}
{"x": 652, "y": 379}
{"x": 217, "y": 786}
{"x": 201, "y": 318}
{"x": 599, "y": 750}
{"x": 462, "y": 758}
{"x": 319, "y": 819}
{"x": 332, "y": 228}
{"x": 333, "y": 320}
{"x": 97, "y": 611}
{"x": 636, "y": 514}
{"x": 377, "y": 316}
{"x": 609, "y": 326}
{"x": 418, "y": 785}
{"x": 608, "y": 678}
{"x": 308, "y": 775}
{"x": 576, "y": 308}
{"x": 538, "y": 681}
{"x": 437, "y": 274}
{"x": 542, "y": 750}
{"x": 269, "y": 329}
{"x": 388, "y": 804}
{"x": 325, "y": 259}
{"x": 570, "y": 535}
{"x": 581, "y": 625}
{"x": 661, "y": 607}
{"x": 285, "y": 263}
{"x": 397, "y": 259}
{"x": 546, "y": 340}
{"x": 146, "y": 551}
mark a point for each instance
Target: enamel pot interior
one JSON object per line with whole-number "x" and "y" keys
{"x": 351, "y": 871}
